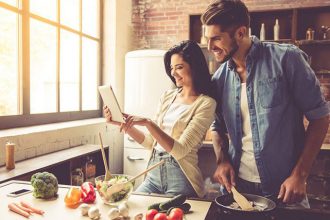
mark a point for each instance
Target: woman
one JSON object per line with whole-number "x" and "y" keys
{"x": 182, "y": 119}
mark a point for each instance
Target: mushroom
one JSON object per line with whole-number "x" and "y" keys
{"x": 123, "y": 209}
{"x": 94, "y": 213}
{"x": 138, "y": 216}
{"x": 84, "y": 209}
{"x": 113, "y": 213}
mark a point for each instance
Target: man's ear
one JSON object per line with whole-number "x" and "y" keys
{"x": 241, "y": 32}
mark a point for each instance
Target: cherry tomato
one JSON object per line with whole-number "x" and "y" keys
{"x": 160, "y": 216}
{"x": 176, "y": 214}
{"x": 151, "y": 214}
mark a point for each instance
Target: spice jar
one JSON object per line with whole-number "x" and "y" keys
{"x": 10, "y": 156}
{"x": 90, "y": 170}
{"x": 77, "y": 177}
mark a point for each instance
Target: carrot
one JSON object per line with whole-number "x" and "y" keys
{"x": 23, "y": 208}
{"x": 34, "y": 210}
{"x": 19, "y": 211}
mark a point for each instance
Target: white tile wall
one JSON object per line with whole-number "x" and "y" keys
{"x": 46, "y": 139}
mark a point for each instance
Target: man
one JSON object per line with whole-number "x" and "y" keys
{"x": 263, "y": 90}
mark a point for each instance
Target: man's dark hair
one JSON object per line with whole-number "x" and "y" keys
{"x": 193, "y": 55}
{"x": 229, "y": 14}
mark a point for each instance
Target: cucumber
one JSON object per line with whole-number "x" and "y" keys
{"x": 185, "y": 208}
{"x": 155, "y": 206}
{"x": 175, "y": 201}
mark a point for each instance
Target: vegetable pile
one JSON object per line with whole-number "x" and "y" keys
{"x": 173, "y": 209}
{"x": 45, "y": 185}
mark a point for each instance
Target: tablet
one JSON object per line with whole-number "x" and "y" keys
{"x": 110, "y": 100}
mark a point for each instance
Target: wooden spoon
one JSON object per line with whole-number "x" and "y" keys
{"x": 107, "y": 175}
{"x": 241, "y": 200}
{"x": 119, "y": 186}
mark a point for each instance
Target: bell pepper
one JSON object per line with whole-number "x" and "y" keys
{"x": 88, "y": 194}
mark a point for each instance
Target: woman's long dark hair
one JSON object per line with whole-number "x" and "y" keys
{"x": 193, "y": 55}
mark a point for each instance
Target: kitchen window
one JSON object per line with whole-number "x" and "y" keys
{"x": 50, "y": 56}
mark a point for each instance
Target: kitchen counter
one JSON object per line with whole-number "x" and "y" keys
{"x": 56, "y": 209}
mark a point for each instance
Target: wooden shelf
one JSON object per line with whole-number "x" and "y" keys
{"x": 280, "y": 41}
{"x": 322, "y": 72}
{"x": 61, "y": 159}
{"x": 312, "y": 42}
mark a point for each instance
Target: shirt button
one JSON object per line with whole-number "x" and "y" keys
{"x": 237, "y": 97}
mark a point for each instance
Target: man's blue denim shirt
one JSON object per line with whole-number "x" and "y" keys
{"x": 281, "y": 89}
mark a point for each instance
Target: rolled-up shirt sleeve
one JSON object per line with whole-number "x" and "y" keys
{"x": 306, "y": 88}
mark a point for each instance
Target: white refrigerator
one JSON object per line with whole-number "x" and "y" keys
{"x": 145, "y": 82}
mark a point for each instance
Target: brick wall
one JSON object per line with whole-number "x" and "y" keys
{"x": 162, "y": 23}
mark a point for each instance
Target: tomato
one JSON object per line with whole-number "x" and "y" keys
{"x": 151, "y": 214}
{"x": 175, "y": 214}
{"x": 160, "y": 216}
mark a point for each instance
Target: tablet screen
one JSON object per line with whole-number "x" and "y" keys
{"x": 110, "y": 100}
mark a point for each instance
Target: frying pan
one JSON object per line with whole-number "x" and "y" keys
{"x": 224, "y": 202}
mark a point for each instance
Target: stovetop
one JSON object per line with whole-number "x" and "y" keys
{"x": 280, "y": 213}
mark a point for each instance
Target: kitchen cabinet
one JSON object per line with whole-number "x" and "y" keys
{"x": 60, "y": 163}
{"x": 293, "y": 23}
{"x": 135, "y": 161}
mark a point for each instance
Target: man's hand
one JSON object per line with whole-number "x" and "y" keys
{"x": 293, "y": 189}
{"x": 225, "y": 175}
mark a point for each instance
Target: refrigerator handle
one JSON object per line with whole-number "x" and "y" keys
{"x": 134, "y": 158}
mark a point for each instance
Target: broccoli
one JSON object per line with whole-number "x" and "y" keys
{"x": 44, "y": 185}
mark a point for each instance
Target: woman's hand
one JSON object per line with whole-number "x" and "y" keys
{"x": 132, "y": 120}
{"x": 108, "y": 116}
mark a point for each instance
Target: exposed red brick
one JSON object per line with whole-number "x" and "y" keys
{"x": 159, "y": 24}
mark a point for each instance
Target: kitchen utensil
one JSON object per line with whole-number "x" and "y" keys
{"x": 241, "y": 200}
{"x": 224, "y": 202}
{"x": 119, "y": 186}
{"x": 107, "y": 171}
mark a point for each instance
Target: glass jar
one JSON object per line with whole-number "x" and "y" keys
{"x": 90, "y": 170}
{"x": 77, "y": 177}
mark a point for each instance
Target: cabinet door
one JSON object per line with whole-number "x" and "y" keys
{"x": 135, "y": 161}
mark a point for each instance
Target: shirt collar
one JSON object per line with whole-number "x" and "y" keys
{"x": 253, "y": 52}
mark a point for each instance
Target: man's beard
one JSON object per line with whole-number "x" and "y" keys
{"x": 234, "y": 47}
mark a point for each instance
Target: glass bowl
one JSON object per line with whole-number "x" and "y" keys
{"x": 117, "y": 197}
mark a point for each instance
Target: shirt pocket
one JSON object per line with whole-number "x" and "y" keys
{"x": 270, "y": 92}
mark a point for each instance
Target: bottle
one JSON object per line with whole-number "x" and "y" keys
{"x": 310, "y": 34}
{"x": 203, "y": 38}
{"x": 90, "y": 170}
{"x": 262, "y": 32}
{"x": 10, "y": 156}
{"x": 276, "y": 30}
